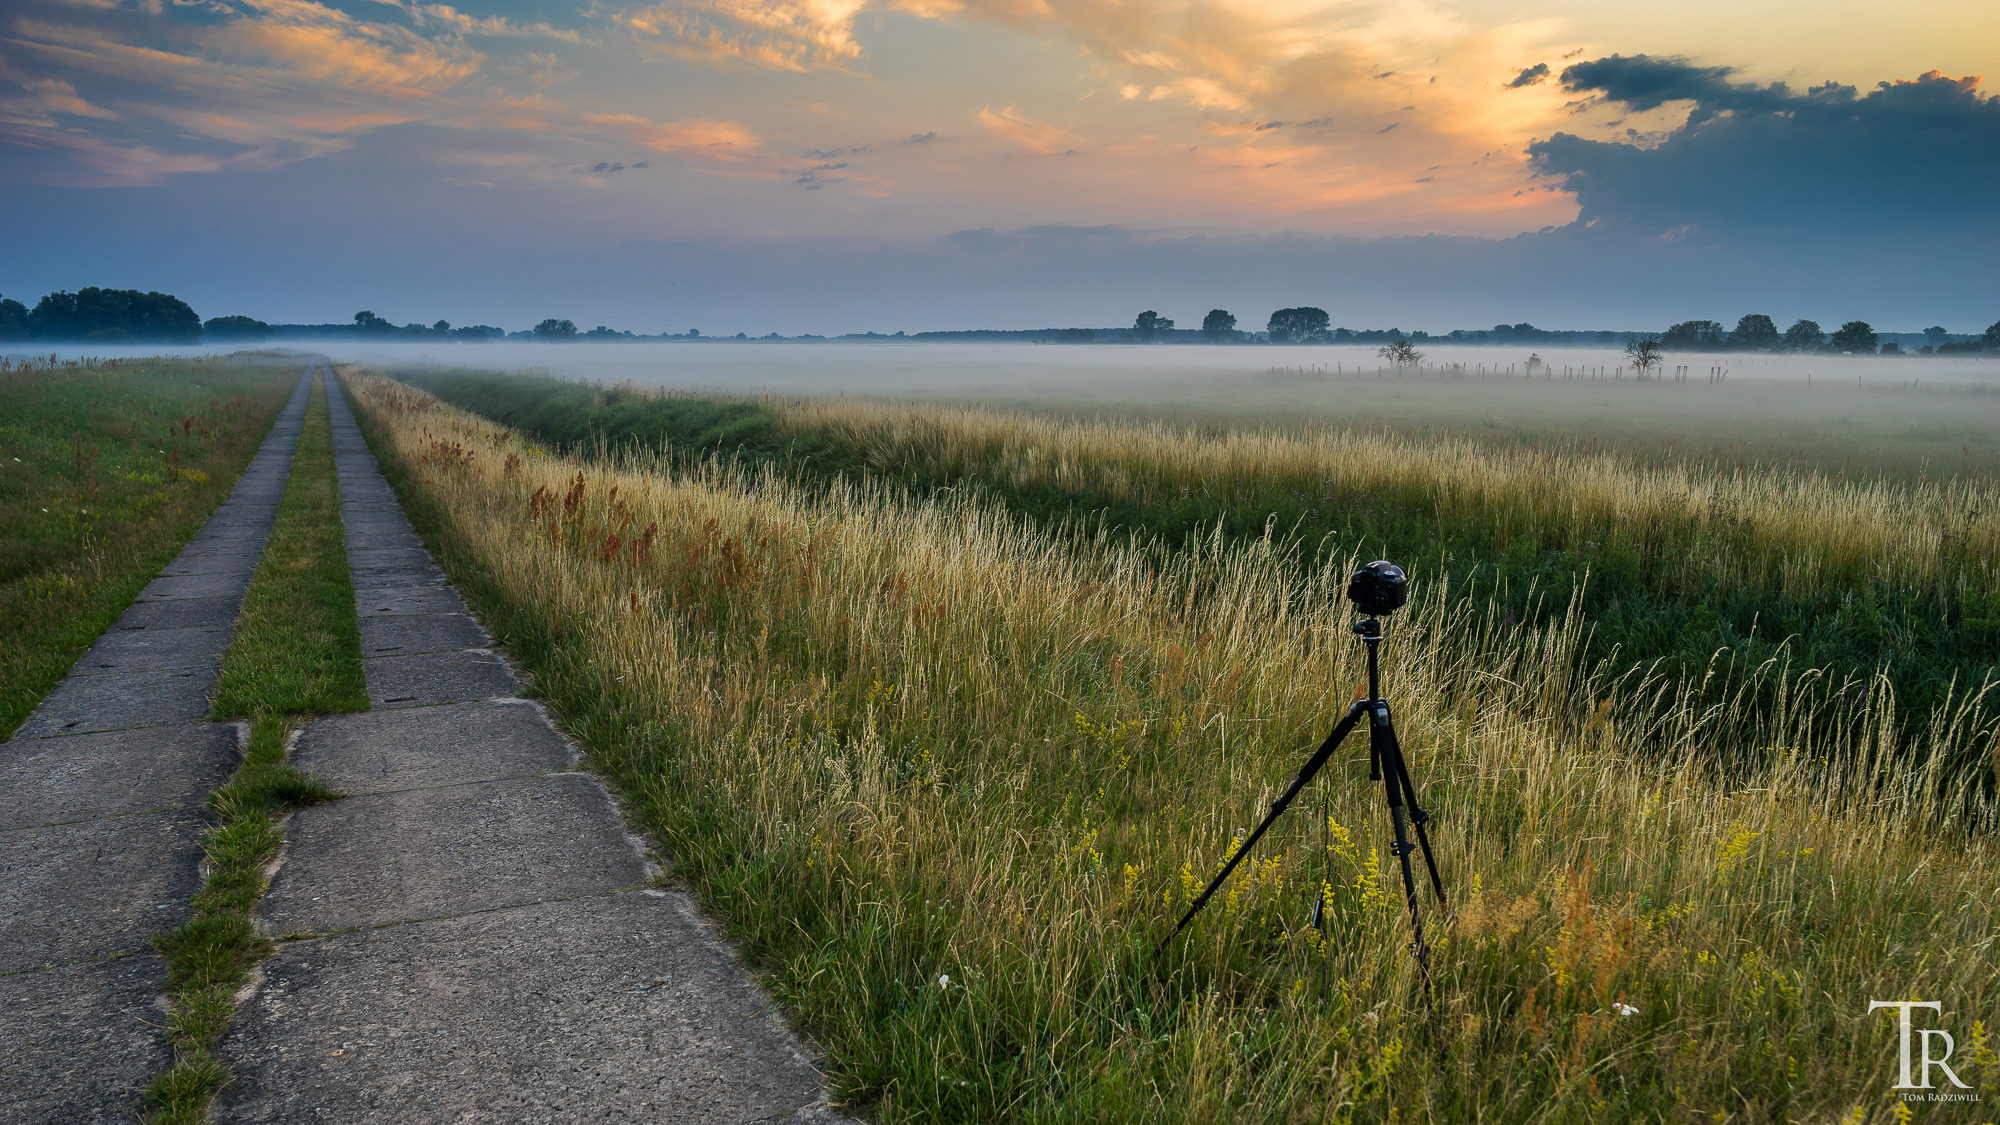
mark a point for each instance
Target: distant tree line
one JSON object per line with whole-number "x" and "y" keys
{"x": 102, "y": 316}
{"x": 112, "y": 316}
{"x": 1757, "y": 332}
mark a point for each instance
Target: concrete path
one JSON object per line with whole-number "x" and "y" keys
{"x": 101, "y": 820}
{"x": 474, "y": 934}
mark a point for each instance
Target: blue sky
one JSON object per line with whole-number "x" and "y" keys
{"x": 841, "y": 165}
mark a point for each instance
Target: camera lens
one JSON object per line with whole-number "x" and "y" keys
{"x": 1378, "y": 588}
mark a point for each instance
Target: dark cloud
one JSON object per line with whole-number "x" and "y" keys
{"x": 1536, "y": 73}
{"x": 1914, "y": 159}
{"x": 1272, "y": 125}
{"x": 826, "y": 154}
{"x": 1645, "y": 82}
{"x": 921, "y": 138}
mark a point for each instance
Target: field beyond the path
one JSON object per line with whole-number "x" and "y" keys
{"x": 950, "y": 753}
{"x": 106, "y": 469}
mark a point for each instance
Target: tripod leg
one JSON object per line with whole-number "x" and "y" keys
{"x": 1418, "y": 817}
{"x": 1383, "y": 737}
{"x": 1278, "y": 807}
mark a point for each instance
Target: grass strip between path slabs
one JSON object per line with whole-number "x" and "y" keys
{"x": 296, "y": 651}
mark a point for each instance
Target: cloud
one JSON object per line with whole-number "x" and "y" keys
{"x": 795, "y": 35}
{"x": 1645, "y": 83}
{"x": 1035, "y": 136}
{"x": 921, "y": 138}
{"x": 40, "y": 98}
{"x": 1531, "y": 76}
{"x": 1915, "y": 157}
{"x": 446, "y": 16}
{"x": 279, "y": 81}
{"x": 329, "y": 45}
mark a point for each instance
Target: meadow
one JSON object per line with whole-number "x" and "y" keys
{"x": 949, "y": 764}
{"x": 106, "y": 468}
{"x": 1685, "y": 568}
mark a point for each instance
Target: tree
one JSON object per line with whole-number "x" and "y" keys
{"x": 1935, "y": 335}
{"x": 1149, "y": 325}
{"x": 13, "y": 320}
{"x": 1402, "y": 353}
{"x": 1219, "y": 326}
{"x": 1755, "y": 333}
{"x": 1303, "y": 325}
{"x": 236, "y": 328}
{"x": 558, "y": 331}
{"x": 1645, "y": 353}
{"x": 114, "y": 314}
{"x": 441, "y": 326}
{"x": 1992, "y": 337}
{"x": 1804, "y": 336}
{"x": 1854, "y": 336}
{"x": 1694, "y": 336}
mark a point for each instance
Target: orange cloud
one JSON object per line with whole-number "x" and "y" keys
{"x": 1035, "y": 136}
{"x": 794, "y": 35}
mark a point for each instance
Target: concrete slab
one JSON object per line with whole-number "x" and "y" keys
{"x": 427, "y": 747}
{"x": 200, "y": 548}
{"x": 373, "y": 541}
{"x": 82, "y": 1042}
{"x": 437, "y": 677}
{"x": 247, "y": 521}
{"x": 225, "y": 532}
{"x": 376, "y": 525}
{"x": 153, "y": 650}
{"x": 71, "y": 892}
{"x": 390, "y": 578}
{"x": 612, "y": 1008}
{"x": 236, "y": 561}
{"x": 408, "y": 599}
{"x": 371, "y": 558}
{"x": 121, "y": 701}
{"x": 432, "y": 853}
{"x": 226, "y": 584}
{"x": 183, "y": 613}
{"x": 86, "y": 776}
{"x": 413, "y": 633}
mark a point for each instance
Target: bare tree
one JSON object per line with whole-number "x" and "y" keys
{"x": 1645, "y": 354}
{"x": 1402, "y": 353}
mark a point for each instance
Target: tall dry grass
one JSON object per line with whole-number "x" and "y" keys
{"x": 1785, "y": 528}
{"x": 952, "y": 781}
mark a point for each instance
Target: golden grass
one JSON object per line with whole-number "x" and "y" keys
{"x": 952, "y": 781}
{"x": 1794, "y": 524}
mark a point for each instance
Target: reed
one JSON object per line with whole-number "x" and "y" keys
{"x": 950, "y": 778}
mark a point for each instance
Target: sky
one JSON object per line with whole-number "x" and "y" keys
{"x": 847, "y": 165}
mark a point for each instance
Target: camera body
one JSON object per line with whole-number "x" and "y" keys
{"x": 1379, "y": 588}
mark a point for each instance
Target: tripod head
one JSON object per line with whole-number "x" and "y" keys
{"x": 1379, "y": 589}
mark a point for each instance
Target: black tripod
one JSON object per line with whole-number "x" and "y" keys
{"x": 1377, "y": 588}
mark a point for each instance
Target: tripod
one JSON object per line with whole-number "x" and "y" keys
{"x": 1385, "y": 764}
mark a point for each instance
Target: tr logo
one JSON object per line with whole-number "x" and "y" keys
{"x": 1925, "y": 1060}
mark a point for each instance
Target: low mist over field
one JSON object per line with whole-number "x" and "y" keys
{"x": 1906, "y": 413}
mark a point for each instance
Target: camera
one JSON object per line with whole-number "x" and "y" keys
{"x": 1379, "y": 588}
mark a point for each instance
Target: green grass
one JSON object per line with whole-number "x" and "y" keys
{"x": 1649, "y": 592}
{"x": 297, "y": 645}
{"x": 296, "y": 651}
{"x": 106, "y": 470}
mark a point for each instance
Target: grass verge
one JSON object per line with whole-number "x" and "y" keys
{"x": 296, "y": 651}
{"x": 106, "y": 470}
{"x": 951, "y": 780}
